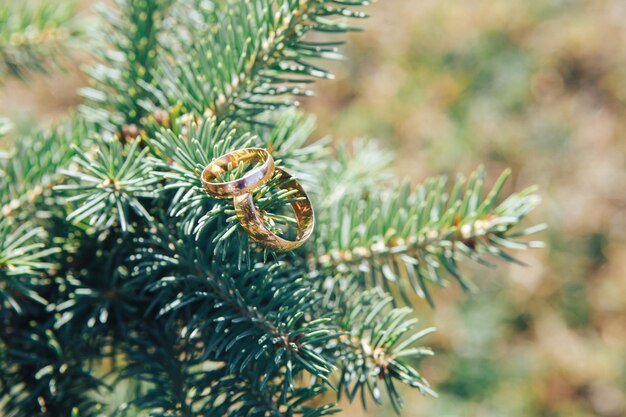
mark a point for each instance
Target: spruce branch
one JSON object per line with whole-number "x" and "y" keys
{"x": 409, "y": 238}
{"x": 98, "y": 300}
{"x": 23, "y": 259}
{"x": 46, "y": 374}
{"x": 254, "y": 56}
{"x": 159, "y": 277}
{"x": 290, "y": 141}
{"x": 379, "y": 347}
{"x": 30, "y": 169}
{"x": 234, "y": 395}
{"x": 127, "y": 58}
{"x": 180, "y": 158}
{"x": 35, "y": 35}
{"x": 259, "y": 318}
{"x": 5, "y": 375}
{"x": 109, "y": 185}
{"x": 356, "y": 170}
{"x": 177, "y": 384}
{"x": 154, "y": 357}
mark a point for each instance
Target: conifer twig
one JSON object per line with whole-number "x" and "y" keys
{"x": 35, "y": 36}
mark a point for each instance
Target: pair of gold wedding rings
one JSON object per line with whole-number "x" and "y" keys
{"x": 240, "y": 190}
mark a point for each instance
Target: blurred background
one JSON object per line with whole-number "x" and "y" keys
{"x": 535, "y": 85}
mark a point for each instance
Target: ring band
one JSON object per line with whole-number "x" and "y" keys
{"x": 252, "y": 222}
{"x": 250, "y": 181}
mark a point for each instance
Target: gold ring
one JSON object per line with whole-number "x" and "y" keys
{"x": 250, "y": 181}
{"x": 252, "y": 222}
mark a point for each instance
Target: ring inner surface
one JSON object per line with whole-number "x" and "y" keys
{"x": 302, "y": 209}
{"x": 221, "y": 165}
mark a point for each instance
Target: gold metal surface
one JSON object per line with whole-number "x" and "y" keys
{"x": 249, "y": 182}
{"x": 252, "y": 221}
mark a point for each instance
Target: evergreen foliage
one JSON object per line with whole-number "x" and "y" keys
{"x": 34, "y": 36}
{"x": 116, "y": 269}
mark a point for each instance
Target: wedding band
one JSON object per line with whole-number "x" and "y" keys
{"x": 250, "y": 181}
{"x": 252, "y": 222}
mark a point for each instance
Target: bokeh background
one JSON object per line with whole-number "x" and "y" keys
{"x": 535, "y": 85}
